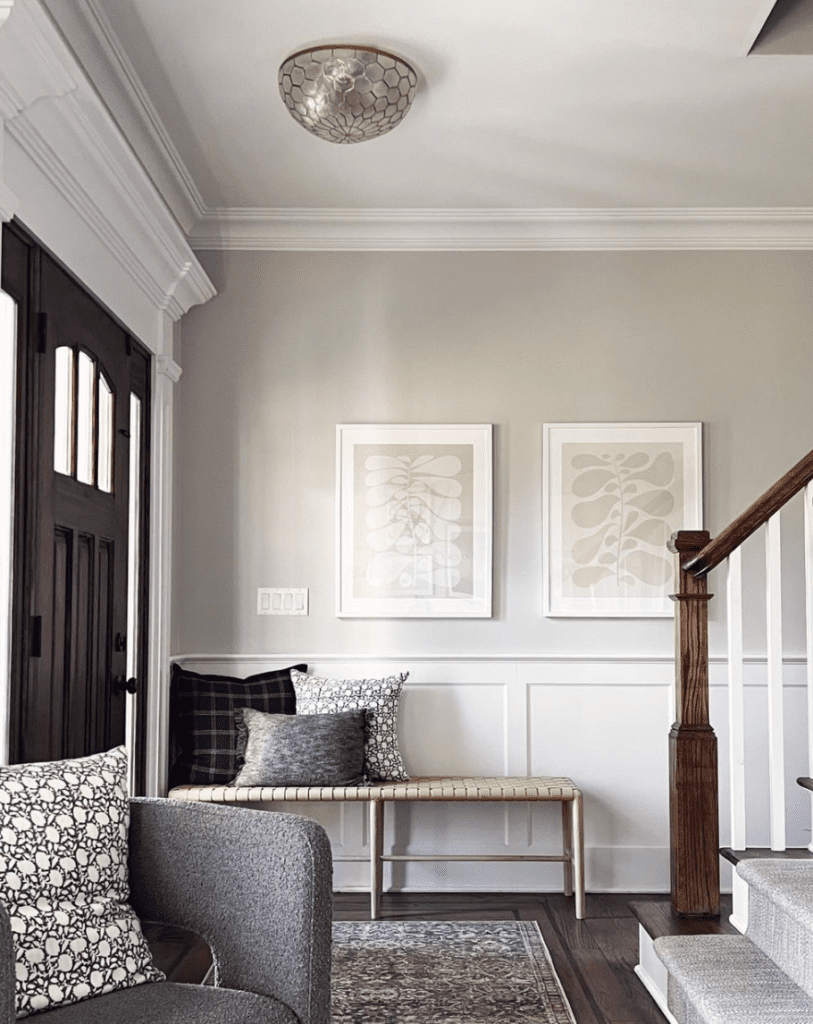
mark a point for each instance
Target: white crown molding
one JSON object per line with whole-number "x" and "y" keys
{"x": 504, "y": 230}
{"x": 87, "y": 28}
{"x": 100, "y": 180}
{"x": 33, "y": 60}
{"x": 57, "y": 119}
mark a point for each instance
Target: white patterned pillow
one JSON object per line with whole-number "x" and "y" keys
{"x": 379, "y": 697}
{"x": 63, "y": 880}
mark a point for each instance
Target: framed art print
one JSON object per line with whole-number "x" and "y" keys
{"x": 613, "y": 494}
{"x": 414, "y": 521}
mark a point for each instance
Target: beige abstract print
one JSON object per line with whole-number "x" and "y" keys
{"x": 621, "y": 503}
{"x": 415, "y": 535}
{"x": 613, "y": 495}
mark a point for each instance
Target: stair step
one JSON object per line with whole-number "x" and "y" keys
{"x": 762, "y": 853}
{"x": 725, "y": 978}
{"x": 658, "y": 919}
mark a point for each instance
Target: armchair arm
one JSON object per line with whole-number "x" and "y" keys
{"x": 257, "y": 885}
{"x": 8, "y": 973}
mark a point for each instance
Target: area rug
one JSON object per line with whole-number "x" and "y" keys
{"x": 444, "y": 972}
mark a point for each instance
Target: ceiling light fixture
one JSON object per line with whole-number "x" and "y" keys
{"x": 347, "y": 93}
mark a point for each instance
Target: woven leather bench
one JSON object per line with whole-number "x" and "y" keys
{"x": 485, "y": 788}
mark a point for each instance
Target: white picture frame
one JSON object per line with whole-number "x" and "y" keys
{"x": 414, "y": 521}
{"x": 612, "y": 495}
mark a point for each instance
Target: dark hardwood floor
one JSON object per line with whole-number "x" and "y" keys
{"x": 594, "y": 958}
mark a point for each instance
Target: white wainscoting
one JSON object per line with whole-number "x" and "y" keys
{"x": 603, "y": 722}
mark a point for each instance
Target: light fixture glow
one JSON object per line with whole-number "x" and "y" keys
{"x": 347, "y": 93}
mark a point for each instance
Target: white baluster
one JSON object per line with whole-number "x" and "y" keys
{"x": 776, "y": 728}
{"x": 736, "y": 718}
{"x": 808, "y": 494}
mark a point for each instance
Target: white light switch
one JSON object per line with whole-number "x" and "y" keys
{"x": 282, "y": 601}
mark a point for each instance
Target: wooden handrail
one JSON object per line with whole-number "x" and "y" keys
{"x": 757, "y": 515}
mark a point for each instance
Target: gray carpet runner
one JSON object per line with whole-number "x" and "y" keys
{"x": 762, "y": 977}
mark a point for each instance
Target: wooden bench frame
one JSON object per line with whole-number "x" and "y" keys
{"x": 474, "y": 788}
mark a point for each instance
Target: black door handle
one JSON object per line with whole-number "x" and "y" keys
{"x": 122, "y": 685}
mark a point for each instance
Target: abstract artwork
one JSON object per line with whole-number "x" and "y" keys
{"x": 614, "y": 493}
{"x": 414, "y": 521}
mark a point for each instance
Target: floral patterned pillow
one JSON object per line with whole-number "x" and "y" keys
{"x": 379, "y": 697}
{"x": 63, "y": 881}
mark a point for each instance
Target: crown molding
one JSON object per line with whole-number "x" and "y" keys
{"x": 503, "y": 230}
{"x": 101, "y": 181}
{"x": 87, "y": 28}
{"x": 64, "y": 133}
{"x": 33, "y": 60}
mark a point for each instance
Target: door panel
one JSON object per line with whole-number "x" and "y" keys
{"x": 71, "y": 548}
{"x": 85, "y": 527}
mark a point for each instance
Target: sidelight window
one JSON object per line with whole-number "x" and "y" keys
{"x": 8, "y": 359}
{"x": 84, "y": 410}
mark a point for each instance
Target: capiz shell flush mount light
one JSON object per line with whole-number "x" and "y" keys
{"x": 347, "y": 93}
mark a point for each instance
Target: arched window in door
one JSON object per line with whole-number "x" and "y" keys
{"x": 84, "y": 415}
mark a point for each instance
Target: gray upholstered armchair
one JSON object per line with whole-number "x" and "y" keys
{"x": 256, "y": 885}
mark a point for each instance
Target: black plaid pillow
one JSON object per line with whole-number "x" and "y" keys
{"x": 203, "y": 732}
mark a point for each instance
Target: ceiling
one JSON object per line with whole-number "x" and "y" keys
{"x": 523, "y": 106}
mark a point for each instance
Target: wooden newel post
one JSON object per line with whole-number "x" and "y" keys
{"x": 693, "y": 811}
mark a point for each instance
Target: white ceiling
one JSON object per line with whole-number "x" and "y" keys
{"x": 523, "y": 106}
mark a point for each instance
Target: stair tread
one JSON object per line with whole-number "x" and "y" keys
{"x": 763, "y": 853}
{"x": 657, "y": 919}
{"x": 727, "y": 978}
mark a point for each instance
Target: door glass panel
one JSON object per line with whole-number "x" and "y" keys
{"x": 85, "y": 461}
{"x": 8, "y": 360}
{"x": 63, "y": 411}
{"x": 105, "y": 481}
{"x": 133, "y": 578}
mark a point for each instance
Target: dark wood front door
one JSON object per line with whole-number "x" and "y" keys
{"x": 80, "y": 376}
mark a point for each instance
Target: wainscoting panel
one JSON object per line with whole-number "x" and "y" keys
{"x": 603, "y": 721}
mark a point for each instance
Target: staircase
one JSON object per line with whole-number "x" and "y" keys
{"x": 759, "y": 966}
{"x": 764, "y": 976}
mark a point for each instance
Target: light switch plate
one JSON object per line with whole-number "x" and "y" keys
{"x": 282, "y": 601}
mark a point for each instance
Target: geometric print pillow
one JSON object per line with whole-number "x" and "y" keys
{"x": 63, "y": 880}
{"x": 379, "y": 698}
{"x": 203, "y": 730}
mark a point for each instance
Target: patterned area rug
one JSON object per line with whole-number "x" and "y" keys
{"x": 444, "y": 972}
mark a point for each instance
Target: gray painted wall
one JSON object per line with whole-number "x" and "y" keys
{"x": 295, "y": 343}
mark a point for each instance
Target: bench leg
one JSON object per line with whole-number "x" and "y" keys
{"x": 578, "y": 851}
{"x": 567, "y": 848}
{"x": 376, "y": 850}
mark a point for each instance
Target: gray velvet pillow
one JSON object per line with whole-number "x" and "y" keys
{"x": 301, "y": 750}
